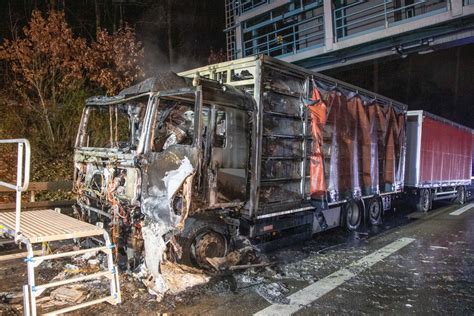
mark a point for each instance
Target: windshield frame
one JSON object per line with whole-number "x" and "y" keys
{"x": 106, "y": 102}
{"x": 174, "y": 94}
{"x": 144, "y": 144}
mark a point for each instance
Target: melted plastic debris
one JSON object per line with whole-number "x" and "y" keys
{"x": 272, "y": 291}
{"x": 180, "y": 277}
{"x": 174, "y": 278}
{"x": 154, "y": 249}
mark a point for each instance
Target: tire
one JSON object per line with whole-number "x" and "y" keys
{"x": 461, "y": 195}
{"x": 352, "y": 215}
{"x": 424, "y": 201}
{"x": 198, "y": 238}
{"x": 375, "y": 211}
{"x": 209, "y": 244}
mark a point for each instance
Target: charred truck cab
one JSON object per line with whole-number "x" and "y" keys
{"x": 255, "y": 149}
{"x": 168, "y": 152}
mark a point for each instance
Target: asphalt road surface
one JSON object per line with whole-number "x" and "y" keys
{"x": 415, "y": 263}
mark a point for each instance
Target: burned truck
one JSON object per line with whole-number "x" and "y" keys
{"x": 188, "y": 166}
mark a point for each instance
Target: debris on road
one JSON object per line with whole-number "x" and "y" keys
{"x": 180, "y": 277}
{"x": 68, "y": 294}
{"x": 11, "y": 298}
{"x": 437, "y": 247}
{"x": 274, "y": 293}
{"x": 176, "y": 277}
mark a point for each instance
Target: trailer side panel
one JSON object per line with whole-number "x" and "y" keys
{"x": 445, "y": 153}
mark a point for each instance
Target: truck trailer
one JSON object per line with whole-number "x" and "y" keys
{"x": 362, "y": 150}
{"x": 439, "y": 159}
{"x": 255, "y": 150}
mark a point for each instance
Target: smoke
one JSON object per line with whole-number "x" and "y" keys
{"x": 195, "y": 27}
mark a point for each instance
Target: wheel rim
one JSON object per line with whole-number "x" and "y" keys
{"x": 209, "y": 245}
{"x": 353, "y": 215}
{"x": 374, "y": 211}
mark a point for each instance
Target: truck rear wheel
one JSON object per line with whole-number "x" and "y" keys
{"x": 374, "y": 211}
{"x": 424, "y": 200}
{"x": 461, "y": 195}
{"x": 352, "y": 215}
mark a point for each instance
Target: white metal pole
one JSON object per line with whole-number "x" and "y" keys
{"x": 30, "y": 265}
{"x": 26, "y": 300}
{"x": 19, "y": 180}
{"x": 110, "y": 265}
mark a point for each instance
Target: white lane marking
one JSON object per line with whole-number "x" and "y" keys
{"x": 462, "y": 209}
{"x": 316, "y": 290}
{"x": 437, "y": 247}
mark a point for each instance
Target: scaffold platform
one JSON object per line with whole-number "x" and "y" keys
{"x": 42, "y": 226}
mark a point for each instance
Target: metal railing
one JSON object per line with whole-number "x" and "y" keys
{"x": 363, "y": 16}
{"x": 295, "y": 40}
{"x": 248, "y": 5}
{"x": 22, "y": 176}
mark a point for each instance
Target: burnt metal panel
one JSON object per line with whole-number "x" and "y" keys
{"x": 363, "y": 141}
{"x": 160, "y": 82}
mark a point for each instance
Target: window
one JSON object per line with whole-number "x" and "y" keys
{"x": 221, "y": 129}
{"x": 175, "y": 124}
{"x": 114, "y": 126}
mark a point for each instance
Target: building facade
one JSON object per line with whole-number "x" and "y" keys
{"x": 322, "y": 34}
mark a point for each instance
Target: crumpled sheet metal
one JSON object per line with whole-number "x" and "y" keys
{"x": 165, "y": 175}
{"x": 281, "y": 156}
{"x": 160, "y": 82}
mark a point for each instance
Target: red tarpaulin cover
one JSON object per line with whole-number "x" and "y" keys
{"x": 445, "y": 152}
{"x": 318, "y": 113}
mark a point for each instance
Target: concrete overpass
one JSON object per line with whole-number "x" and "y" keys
{"x": 328, "y": 34}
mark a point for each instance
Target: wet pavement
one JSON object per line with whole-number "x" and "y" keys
{"x": 413, "y": 263}
{"x": 433, "y": 274}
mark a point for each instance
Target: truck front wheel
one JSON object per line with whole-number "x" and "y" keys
{"x": 424, "y": 200}
{"x": 202, "y": 238}
{"x": 209, "y": 244}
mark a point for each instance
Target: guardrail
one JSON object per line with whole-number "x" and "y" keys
{"x": 49, "y": 186}
{"x": 36, "y": 187}
{"x": 22, "y": 176}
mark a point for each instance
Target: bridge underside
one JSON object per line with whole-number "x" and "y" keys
{"x": 420, "y": 41}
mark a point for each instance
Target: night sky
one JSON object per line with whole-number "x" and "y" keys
{"x": 196, "y": 26}
{"x": 440, "y": 82}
